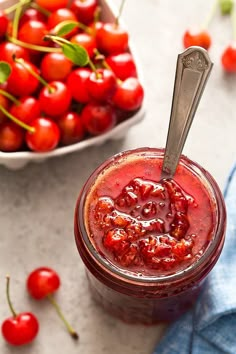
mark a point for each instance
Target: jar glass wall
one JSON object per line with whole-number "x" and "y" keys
{"x": 167, "y": 269}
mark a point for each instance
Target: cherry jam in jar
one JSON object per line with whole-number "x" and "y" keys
{"x": 148, "y": 243}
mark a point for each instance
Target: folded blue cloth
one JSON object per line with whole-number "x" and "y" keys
{"x": 210, "y": 327}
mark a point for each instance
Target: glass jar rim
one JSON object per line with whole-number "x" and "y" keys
{"x": 127, "y": 276}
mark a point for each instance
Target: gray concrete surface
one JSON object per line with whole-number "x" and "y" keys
{"x": 37, "y": 203}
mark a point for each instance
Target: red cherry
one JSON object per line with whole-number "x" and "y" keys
{"x": 98, "y": 118}
{"x": 33, "y": 32}
{"x": 5, "y": 104}
{"x": 42, "y": 282}
{"x": 122, "y": 65}
{"x": 77, "y": 84}
{"x": 60, "y": 15}
{"x": 86, "y": 41}
{"x": 228, "y": 58}
{"x": 55, "y": 67}
{"x": 32, "y": 14}
{"x": 21, "y": 328}
{"x": 45, "y": 137}
{"x": 129, "y": 95}
{"x": 4, "y": 21}
{"x": 112, "y": 39}
{"x": 55, "y": 99}
{"x": 72, "y": 129}
{"x": 102, "y": 85}
{"x": 21, "y": 82}
{"x": 8, "y": 49}
{"x": 197, "y": 38}
{"x": 84, "y": 10}
{"x": 27, "y": 110}
{"x": 11, "y": 137}
{"x": 52, "y": 5}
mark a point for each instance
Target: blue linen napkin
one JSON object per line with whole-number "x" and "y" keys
{"x": 210, "y": 327}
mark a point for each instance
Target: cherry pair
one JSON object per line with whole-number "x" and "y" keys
{"x": 22, "y": 328}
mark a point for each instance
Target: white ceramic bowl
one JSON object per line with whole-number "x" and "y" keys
{"x": 17, "y": 160}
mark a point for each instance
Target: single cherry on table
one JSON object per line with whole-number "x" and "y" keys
{"x": 41, "y": 284}
{"x": 20, "y": 329}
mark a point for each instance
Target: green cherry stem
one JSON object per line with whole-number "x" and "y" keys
{"x": 41, "y": 9}
{"x": 69, "y": 328}
{"x": 38, "y": 48}
{"x": 100, "y": 56}
{"x": 43, "y": 82}
{"x": 233, "y": 18}
{"x": 120, "y": 12}
{"x": 10, "y": 97}
{"x": 210, "y": 15}
{"x": 14, "y": 314}
{"x": 17, "y": 121}
{"x": 15, "y": 6}
{"x": 16, "y": 19}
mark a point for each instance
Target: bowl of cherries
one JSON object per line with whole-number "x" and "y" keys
{"x": 69, "y": 78}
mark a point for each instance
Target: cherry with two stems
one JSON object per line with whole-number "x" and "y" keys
{"x": 21, "y": 328}
{"x": 111, "y": 37}
{"x": 42, "y": 283}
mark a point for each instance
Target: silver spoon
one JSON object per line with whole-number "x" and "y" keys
{"x": 192, "y": 71}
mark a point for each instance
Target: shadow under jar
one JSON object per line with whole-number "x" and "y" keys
{"x": 148, "y": 243}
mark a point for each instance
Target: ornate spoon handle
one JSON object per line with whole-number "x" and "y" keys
{"x": 192, "y": 71}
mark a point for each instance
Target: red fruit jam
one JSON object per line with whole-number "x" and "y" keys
{"x": 148, "y": 243}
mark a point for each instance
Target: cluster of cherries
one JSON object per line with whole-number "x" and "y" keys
{"x": 65, "y": 75}
{"x": 23, "y": 327}
{"x": 203, "y": 38}
{"x": 147, "y": 225}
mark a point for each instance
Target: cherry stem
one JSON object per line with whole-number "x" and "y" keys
{"x": 15, "y": 6}
{"x": 67, "y": 22}
{"x": 8, "y": 297}
{"x": 119, "y": 13}
{"x": 70, "y": 329}
{"x": 105, "y": 63}
{"x": 33, "y": 46}
{"x": 17, "y": 19}
{"x": 33, "y": 73}
{"x": 210, "y": 16}
{"x": 17, "y": 121}
{"x": 41, "y": 9}
{"x": 233, "y": 17}
{"x": 97, "y": 15}
{"x": 10, "y": 97}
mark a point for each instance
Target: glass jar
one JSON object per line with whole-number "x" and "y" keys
{"x": 133, "y": 296}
